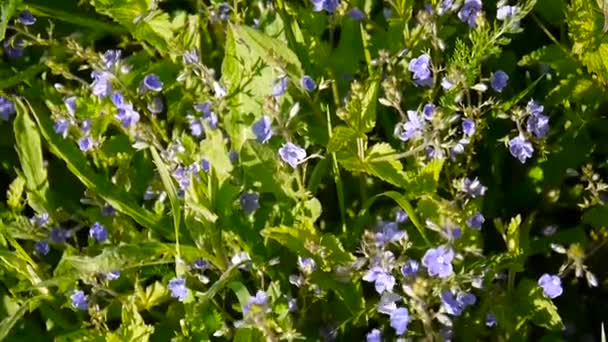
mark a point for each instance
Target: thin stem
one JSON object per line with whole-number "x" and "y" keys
{"x": 337, "y": 178}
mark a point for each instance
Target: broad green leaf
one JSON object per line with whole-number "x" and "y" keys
{"x": 532, "y": 303}
{"x": 343, "y": 137}
{"x": 379, "y": 163}
{"x": 29, "y": 149}
{"x": 586, "y": 30}
{"x": 152, "y": 296}
{"x": 133, "y": 327}
{"x": 15, "y": 194}
{"x": 8, "y": 322}
{"x": 78, "y": 165}
{"x": 596, "y": 217}
{"x": 360, "y": 112}
{"x": 424, "y": 181}
{"x": 248, "y": 335}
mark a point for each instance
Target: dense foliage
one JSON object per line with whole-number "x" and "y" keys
{"x": 303, "y": 169}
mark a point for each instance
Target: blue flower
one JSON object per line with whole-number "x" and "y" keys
{"x": 41, "y": 219}
{"x": 389, "y": 232}
{"x": 280, "y": 86}
{"x": 292, "y": 154}
{"x": 200, "y": 264}
{"x": 383, "y": 281}
{"x": 476, "y": 221}
{"x": 61, "y": 127}
{"x": 410, "y": 129}
{"x": 206, "y": 165}
{"x": 112, "y": 275}
{"x": 249, "y": 202}
{"x": 438, "y": 261}
{"x": 520, "y": 148}
{"x": 468, "y": 127}
{"x": 551, "y": 285}
{"x": 125, "y": 114}
{"x": 26, "y": 18}
{"x": 191, "y": 57}
{"x": 98, "y": 232}
{"x": 538, "y": 124}
{"x": 14, "y": 48}
{"x": 445, "y": 6}
{"x": 374, "y": 336}
{"x": 420, "y": 67}
{"x": 152, "y": 82}
{"x": 473, "y": 187}
{"x": 110, "y": 58}
{"x": 156, "y": 105}
{"x": 108, "y": 210}
{"x": 428, "y": 110}
{"x": 534, "y": 108}
{"x": 224, "y": 11}
{"x": 263, "y": 129}
{"x": 196, "y": 127}
{"x": 506, "y": 12}
{"x": 446, "y": 83}
{"x": 308, "y": 83}
{"x": 102, "y": 85}
{"x": 42, "y": 247}
{"x": 410, "y": 268}
{"x": 499, "y": 81}
{"x": 58, "y": 235}
{"x": 260, "y": 300}
{"x": 491, "y": 320}
{"x": 455, "y": 305}
{"x": 356, "y": 14}
{"x": 70, "y": 104}
{"x": 401, "y": 216}
{"x": 233, "y": 156}
{"x": 469, "y": 12}
{"x": 85, "y": 143}
{"x": 325, "y": 5}
{"x": 79, "y": 300}
{"x": 85, "y": 127}
{"x": 307, "y": 265}
{"x": 178, "y": 288}
{"x": 400, "y": 318}
{"x": 7, "y": 108}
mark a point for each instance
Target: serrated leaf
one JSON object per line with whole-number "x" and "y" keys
{"x": 343, "y": 138}
{"x": 379, "y": 163}
{"x": 15, "y": 193}
{"x": 536, "y": 306}
{"x": 360, "y": 112}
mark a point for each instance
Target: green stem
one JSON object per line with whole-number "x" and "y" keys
{"x": 337, "y": 178}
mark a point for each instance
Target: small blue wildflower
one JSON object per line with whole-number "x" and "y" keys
{"x": 40, "y": 220}
{"x": 420, "y": 67}
{"x": 445, "y": 6}
{"x": 506, "y": 12}
{"x": 7, "y": 108}
{"x": 85, "y": 127}
{"x": 196, "y": 127}
{"x": 468, "y": 127}
{"x": 307, "y": 265}
{"x": 26, "y": 18}
{"x": 70, "y": 104}
{"x": 108, "y": 210}
{"x": 112, "y": 275}
{"x": 491, "y": 320}
{"x": 58, "y": 235}
{"x": 178, "y": 289}
{"x": 325, "y": 5}
{"x": 520, "y": 148}
{"x": 453, "y": 233}
{"x": 438, "y": 261}
{"x": 308, "y": 83}
{"x": 152, "y": 82}
{"x": 292, "y": 305}
{"x": 233, "y": 156}
{"x": 102, "y": 85}
{"x": 534, "y": 108}
{"x": 473, "y": 187}
{"x": 538, "y": 124}
{"x": 451, "y": 303}
{"x": 551, "y": 285}
{"x": 401, "y": 216}
{"x": 127, "y": 115}
{"x": 410, "y": 268}
{"x": 110, "y": 58}
{"x": 280, "y": 86}
{"x": 446, "y": 84}
{"x": 499, "y": 81}
{"x": 389, "y": 232}
{"x": 14, "y": 48}
{"x": 458, "y": 149}
{"x": 476, "y": 221}
{"x": 356, "y": 14}
{"x": 383, "y": 281}
{"x": 469, "y": 12}
{"x": 263, "y": 129}
{"x": 428, "y": 110}
{"x": 61, "y": 127}
{"x": 191, "y": 57}
{"x": 200, "y": 264}
{"x": 550, "y": 230}
{"x": 206, "y": 165}
{"x": 410, "y": 129}
{"x": 374, "y": 336}
{"x": 224, "y": 11}
{"x": 79, "y": 300}
{"x": 156, "y": 105}
{"x": 42, "y": 247}
{"x": 249, "y": 202}
{"x": 260, "y": 300}
{"x": 85, "y": 143}
{"x": 98, "y": 232}
{"x": 292, "y": 154}
{"x": 400, "y": 318}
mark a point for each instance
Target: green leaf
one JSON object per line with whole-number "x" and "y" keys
{"x": 379, "y": 163}
{"x": 513, "y": 235}
{"x": 15, "y": 194}
{"x": 78, "y": 165}
{"x": 8, "y": 9}
{"x": 360, "y": 112}
{"x": 8, "y": 322}
{"x": 248, "y": 335}
{"x": 596, "y": 217}
{"x": 425, "y": 181}
{"x": 342, "y": 138}
{"x": 29, "y": 149}
{"x": 537, "y": 307}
